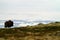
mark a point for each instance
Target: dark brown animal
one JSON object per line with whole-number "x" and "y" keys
{"x": 8, "y": 23}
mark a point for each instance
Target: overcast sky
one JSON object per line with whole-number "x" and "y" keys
{"x": 30, "y": 9}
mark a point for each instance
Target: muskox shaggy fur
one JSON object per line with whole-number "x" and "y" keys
{"x": 8, "y": 24}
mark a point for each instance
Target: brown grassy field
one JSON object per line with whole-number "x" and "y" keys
{"x": 49, "y": 31}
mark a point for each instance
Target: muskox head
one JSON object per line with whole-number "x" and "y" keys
{"x": 8, "y": 23}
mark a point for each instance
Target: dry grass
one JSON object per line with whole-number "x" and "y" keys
{"x": 49, "y": 31}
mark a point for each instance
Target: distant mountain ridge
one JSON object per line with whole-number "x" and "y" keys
{"x": 24, "y": 22}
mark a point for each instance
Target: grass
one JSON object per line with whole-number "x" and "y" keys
{"x": 49, "y": 31}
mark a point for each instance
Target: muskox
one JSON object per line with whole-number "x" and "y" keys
{"x": 8, "y": 24}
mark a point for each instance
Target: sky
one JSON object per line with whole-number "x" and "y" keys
{"x": 30, "y": 9}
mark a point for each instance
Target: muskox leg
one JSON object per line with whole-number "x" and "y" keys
{"x": 5, "y": 26}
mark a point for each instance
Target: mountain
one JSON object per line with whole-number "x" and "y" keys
{"x": 18, "y": 23}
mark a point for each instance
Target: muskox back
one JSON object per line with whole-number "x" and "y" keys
{"x": 9, "y": 23}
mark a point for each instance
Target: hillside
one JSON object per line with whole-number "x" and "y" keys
{"x": 41, "y": 31}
